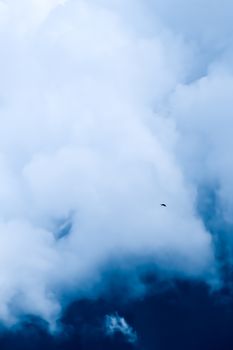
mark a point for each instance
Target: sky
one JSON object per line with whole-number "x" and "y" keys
{"x": 107, "y": 110}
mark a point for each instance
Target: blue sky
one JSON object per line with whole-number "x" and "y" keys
{"x": 107, "y": 109}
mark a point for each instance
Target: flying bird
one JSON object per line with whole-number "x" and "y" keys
{"x": 163, "y": 205}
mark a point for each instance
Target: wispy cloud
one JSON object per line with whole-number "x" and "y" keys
{"x": 115, "y": 324}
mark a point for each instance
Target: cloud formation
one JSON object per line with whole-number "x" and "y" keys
{"x": 107, "y": 110}
{"x": 115, "y": 324}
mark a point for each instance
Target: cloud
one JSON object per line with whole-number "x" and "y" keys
{"x": 105, "y": 114}
{"x": 115, "y": 324}
{"x": 201, "y": 110}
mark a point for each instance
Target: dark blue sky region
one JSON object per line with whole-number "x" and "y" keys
{"x": 182, "y": 315}
{"x": 185, "y": 316}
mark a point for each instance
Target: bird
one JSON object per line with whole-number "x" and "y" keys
{"x": 163, "y": 205}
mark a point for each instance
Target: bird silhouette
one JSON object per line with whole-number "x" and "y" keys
{"x": 163, "y": 205}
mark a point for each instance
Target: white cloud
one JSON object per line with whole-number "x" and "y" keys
{"x": 99, "y": 119}
{"x": 115, "y": 324}
{"x": 204, "y": 118}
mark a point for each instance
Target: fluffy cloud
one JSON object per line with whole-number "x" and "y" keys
{"x": 103, "y": 117}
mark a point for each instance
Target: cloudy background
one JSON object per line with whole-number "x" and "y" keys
{"x": 107, "y": 109}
